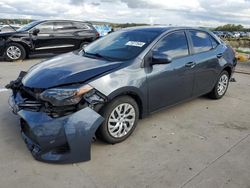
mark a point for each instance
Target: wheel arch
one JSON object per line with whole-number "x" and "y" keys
{"x": 229, "y": 69}
{"x": 24, "y": 45}
{"x": 134, "y": 94}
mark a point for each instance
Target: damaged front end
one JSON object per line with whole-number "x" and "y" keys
{"x": 57, "y": 124}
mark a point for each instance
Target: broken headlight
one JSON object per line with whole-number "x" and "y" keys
{"x": 65, "y": 95}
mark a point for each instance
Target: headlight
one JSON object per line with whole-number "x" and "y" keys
{"x": 65, "y": 95}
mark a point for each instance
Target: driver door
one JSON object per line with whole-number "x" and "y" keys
{"x": 171, "y": 83}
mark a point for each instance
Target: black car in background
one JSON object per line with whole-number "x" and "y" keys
{"x": 46, "y": 36}
{"x": 107, "y": 86}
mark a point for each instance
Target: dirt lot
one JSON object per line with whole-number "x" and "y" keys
{"x": 201, "y": 143}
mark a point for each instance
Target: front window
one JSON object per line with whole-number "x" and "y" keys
{"x": 46, "y": 27}
{"x": 28, "y": 26}
{"x": 122, "y": 45}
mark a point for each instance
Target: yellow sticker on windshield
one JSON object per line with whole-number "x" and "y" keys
{"x": 135, "y": 43}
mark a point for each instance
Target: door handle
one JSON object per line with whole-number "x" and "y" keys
{"x": 190, "y": 64}
{"x": 51, "y": 35}
{"x": 219, "y": 55}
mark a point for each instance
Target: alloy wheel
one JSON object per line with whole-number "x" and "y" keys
{"x": 13, "y": 52}
{"x": 222, "y": 85}
{"x": 121, "y": 120}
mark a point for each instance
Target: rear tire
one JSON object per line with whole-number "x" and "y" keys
{"x": 83, "y": 44}
{"x": 14, "y": 52}
{"x": 220, "y": 87}
{"x": 121, "y": 116}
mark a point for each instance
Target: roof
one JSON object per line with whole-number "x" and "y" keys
{"x": 161, "y": 29}
{"x": 40, "y": 21}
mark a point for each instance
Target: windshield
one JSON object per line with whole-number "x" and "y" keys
{"x": 28, "y": 26}
{"x": 121, "y": 45}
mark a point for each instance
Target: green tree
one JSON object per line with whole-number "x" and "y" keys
{"x": 230, "y": 27}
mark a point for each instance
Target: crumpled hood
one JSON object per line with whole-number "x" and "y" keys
{"x": 66, "y": 69}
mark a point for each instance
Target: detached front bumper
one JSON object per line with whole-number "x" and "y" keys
{"x": 64, "y": 139}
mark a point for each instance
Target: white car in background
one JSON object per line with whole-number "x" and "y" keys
{"x": 236, "y": 34}
{"x": 8, "y": 28}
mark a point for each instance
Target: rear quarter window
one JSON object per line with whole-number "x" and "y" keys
{"x": 82, "y": 26}
{"x": 214, "y": 42}
{"x": 63, "y": 26}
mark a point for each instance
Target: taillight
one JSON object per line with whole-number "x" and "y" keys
{"x": 97, "y": 35}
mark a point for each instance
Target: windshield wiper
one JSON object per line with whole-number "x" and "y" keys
{"x": 11, "y": 27}
{"x": 98, "y": 55}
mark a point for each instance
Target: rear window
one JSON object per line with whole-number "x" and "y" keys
{"x": 63, "y": 26}
{"x": 201, "y": 41}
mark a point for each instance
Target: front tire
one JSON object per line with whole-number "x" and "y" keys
{"x": 221, "y": 86}
{"x": 121, "y": 116}
{"x": 14, "y": 52}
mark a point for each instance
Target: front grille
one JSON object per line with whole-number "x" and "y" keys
{"x": 54, "y": 111}
{"x": 29, "y": 102}
{"x": 28, "y": 93}
{"x": 30, "y": 105}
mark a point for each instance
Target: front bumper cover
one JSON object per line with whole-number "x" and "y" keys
{"x": 64, "y": 139}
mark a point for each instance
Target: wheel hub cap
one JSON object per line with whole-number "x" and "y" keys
{"x": 13, "y": 52}
{"x": 121, "y": 120}
{"x": 222, "y": 85}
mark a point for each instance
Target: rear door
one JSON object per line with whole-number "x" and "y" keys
{"x": 171, "y": 83}
{"x": 65, "y": 37}
{"x": 206, "y": 58}
{"x": 85, "y": 32}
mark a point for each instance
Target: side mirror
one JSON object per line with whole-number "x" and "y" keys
{"x": 160, "y": 58}
{"x": 35, "y": 31}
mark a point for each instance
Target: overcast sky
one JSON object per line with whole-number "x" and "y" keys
{"x": 174, "y": 12}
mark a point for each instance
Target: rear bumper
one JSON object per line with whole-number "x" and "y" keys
{"x": 233, "y": 67}
{"x": 65, "y": 139}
